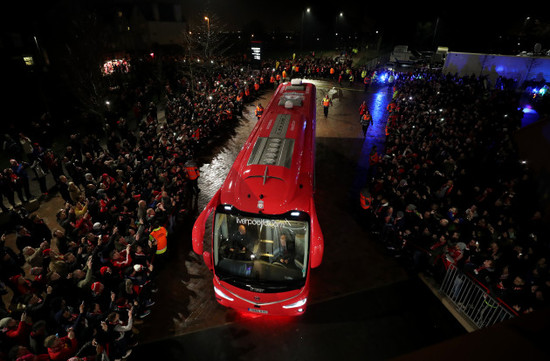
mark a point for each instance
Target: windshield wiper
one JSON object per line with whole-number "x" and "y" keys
{"x": 230, "y": 278}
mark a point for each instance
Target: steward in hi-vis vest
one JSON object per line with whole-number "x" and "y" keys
{"x": 326, "y": 103}
{"x": 259, "y": 111}
{"x": 193, "y": 174}
{"x": 160, "y": 235}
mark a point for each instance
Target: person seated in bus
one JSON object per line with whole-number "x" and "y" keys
{"x": 239, "y": 243}
{"x": 285, "y": 253}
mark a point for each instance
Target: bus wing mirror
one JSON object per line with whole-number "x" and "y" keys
{"x": 317, "y": 241}
{"x": 200, "y": 222}
{"x": 208, "y": 260}
{"x": 198, "y": 232}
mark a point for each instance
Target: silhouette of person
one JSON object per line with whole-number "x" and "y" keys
{"x": 284, "y": 254}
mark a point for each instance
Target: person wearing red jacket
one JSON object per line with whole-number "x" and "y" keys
{"x": 61, "y": 349}
{"x": 121, "y": 260}
{"x": 22, "y": 353}
{"x": 17, "y": 332}
{"x": 107, "y": 181}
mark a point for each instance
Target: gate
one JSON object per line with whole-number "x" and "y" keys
{"x": 473, "y": 300}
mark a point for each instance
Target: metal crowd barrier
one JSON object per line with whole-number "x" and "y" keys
{"x": 473, "y": 300}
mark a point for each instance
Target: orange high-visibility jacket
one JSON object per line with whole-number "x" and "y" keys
{"x": 161, "y": 236}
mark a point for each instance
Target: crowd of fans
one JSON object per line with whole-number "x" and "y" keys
{"x": 80, "y": 288}
{"x": 450, "y": 191}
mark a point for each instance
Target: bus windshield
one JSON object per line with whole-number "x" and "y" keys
{"x": 269, "y": 253}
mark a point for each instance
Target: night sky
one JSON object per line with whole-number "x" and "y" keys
{"x": 461, "y": 25}
{"x": 467, "y": 25}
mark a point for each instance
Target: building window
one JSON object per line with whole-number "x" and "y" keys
{"x": 29, "y": 61}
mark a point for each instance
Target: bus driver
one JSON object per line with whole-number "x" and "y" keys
{"x": 239, "y": 243}
{"x": 284, "y": 254}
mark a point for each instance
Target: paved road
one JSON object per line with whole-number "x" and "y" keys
{"x": 362, "y": 302}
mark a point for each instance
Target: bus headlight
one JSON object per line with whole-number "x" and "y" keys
{"x": 222, "y": 294}
{"x": 297, "y": 303}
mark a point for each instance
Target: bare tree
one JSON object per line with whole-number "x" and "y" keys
{"x": 203, "y": 41}
{"x": 80, "y": 59}
{"x": 208, "y": 36}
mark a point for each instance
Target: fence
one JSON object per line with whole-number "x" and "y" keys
{"x": 378, "y": 61}
{"x": 473, "y": 300}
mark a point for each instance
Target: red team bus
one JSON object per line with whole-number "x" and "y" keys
{"x": 265, "y": 233}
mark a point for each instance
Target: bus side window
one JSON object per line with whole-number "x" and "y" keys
{"x": 299, "y": 245}
{"x": 265, "y": 250}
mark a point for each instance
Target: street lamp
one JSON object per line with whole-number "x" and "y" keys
{"x": 307, "y": 10}
{"x": 338, "y": 19}
{"x": 435, "y": 32}
{"x": 378, "y": 41}
{"x": 207, "y": 19}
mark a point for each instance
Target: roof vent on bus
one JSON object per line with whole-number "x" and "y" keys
{"x": 296, "y": 84}
{"x": 275, "y": 149}
{"x": 295, "y": 98}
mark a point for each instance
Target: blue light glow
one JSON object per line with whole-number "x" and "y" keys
{"x": 542, "y": 91}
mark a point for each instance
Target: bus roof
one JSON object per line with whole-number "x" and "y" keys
{"x": 275, "y": 167}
